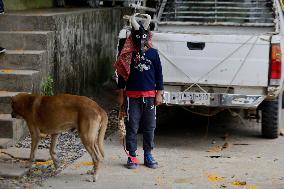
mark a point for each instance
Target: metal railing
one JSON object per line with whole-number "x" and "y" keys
{"x": 218, "y": 11}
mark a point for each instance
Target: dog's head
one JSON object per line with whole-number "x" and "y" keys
{"x": 20, "y": 104}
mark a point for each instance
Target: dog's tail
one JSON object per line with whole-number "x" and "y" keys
{"x": 102, "y": 131}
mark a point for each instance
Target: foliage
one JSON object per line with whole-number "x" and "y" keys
{"x": 47, "y": 87}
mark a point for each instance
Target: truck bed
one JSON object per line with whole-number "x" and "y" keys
{"x": 215, "y": 42}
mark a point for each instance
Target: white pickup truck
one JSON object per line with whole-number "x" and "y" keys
{"x": 223, "y": 54}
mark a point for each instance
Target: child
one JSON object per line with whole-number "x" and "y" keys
{"x": 142, "y": 85}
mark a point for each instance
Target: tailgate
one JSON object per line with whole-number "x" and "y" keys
{"x": 226, "y": 60}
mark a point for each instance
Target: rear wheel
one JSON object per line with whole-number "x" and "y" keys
{"x": 271, "y": 118}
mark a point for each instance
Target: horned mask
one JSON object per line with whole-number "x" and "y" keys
{"x": 140, "y": 32}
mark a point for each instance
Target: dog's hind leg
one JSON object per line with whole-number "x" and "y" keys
{"x": 94, "y": 130}
{"x": 102, "y": 131}
{"x": 88, "y": 129}
{"x": 52, "y": 150}
{"x": 89, "y": 145}
{"x": 35, "y": 135}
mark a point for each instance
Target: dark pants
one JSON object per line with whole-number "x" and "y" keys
{"x": 140, "y": 112}
{"x": 1, "y": 6}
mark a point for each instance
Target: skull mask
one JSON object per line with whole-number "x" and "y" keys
{"x": 140, "y": 32}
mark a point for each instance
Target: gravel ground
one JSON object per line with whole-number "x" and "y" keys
{"x": 69, "y": 148}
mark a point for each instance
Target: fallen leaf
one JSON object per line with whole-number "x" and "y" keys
{"x": 225, "y": 145}
{"x": 80, "y": 164}
{"x": 253, "y": 187}
{"x": 215, "y": 178}
{"x": 239, "y": 183}
{"x": 87, "y": 163}
{"x": 7, "y": 71}
{"x": 49, "y": 162}
{"x": 215, "y": 149}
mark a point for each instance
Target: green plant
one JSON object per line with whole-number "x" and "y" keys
{"x": 47, "y": 87}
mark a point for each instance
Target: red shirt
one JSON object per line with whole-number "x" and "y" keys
{"x": 138, "y": 94}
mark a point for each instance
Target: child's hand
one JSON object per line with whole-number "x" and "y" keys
{"x": 159, "y": 98}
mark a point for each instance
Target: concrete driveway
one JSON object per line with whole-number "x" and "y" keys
{"x": 221, "y": 153}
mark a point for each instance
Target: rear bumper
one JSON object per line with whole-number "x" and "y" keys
{"x": 212, "y": 99}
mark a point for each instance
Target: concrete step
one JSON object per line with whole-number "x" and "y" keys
{"x": 41, "y": 155}
{"x": 38, "y": 19}
{"x": 23, "y": 22}
{"x": 12, "y": 128}
{"x": 23, "y": 60}
{"x": 26, "y": 40}
{"x": 19, "y": 80}
{"x": 12, "y": 170}
{"x": 6, "y": 143}
{"x": 5, "y": 102}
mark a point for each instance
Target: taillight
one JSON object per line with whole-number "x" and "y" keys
{"x": 276, "y": 62}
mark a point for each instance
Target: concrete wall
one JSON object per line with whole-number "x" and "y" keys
{"x": 85, "y": 49}
{"x": 27, "y": 4}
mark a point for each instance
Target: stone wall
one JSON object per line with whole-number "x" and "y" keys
{"x": 85, "y": 49}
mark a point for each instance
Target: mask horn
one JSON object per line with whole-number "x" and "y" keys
{"x": 147, "y": 22}
{"x": 133, "y": 21}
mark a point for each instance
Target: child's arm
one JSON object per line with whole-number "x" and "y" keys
{"x": 121, "y": 87}
{"x": 159, "y": 81}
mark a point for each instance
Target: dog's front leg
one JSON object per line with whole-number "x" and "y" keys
{"x": 52, "y": 150}
{"x": 35, "y": 135}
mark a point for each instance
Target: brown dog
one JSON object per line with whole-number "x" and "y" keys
{"x": 54, "y": 114}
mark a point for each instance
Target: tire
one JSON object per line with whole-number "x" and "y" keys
{"x": 271, "y": 117}
{"x": 94, "y": 3}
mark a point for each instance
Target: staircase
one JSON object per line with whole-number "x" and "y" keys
{"x": 66, "y": 44}
{"x": 218, "y": 12}
{"x": 23, "y": 67}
